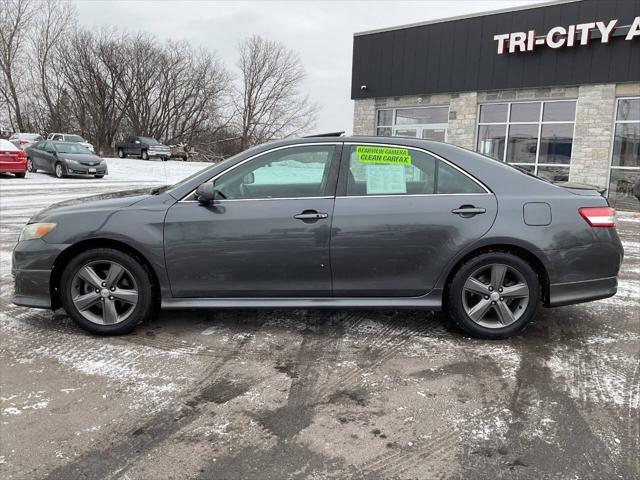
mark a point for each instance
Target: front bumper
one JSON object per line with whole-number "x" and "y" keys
{"x": 32, "y": 288}
{"x": 32, "y": 266}
{"x": 578, "y": 292}
{"x": 79, "y": 169}
{"x": 159, "y": 153}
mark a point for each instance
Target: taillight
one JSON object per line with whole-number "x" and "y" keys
{"x": 24, "y": 142}
{"x": 599, "y": 216}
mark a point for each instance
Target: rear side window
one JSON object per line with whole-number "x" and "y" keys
{"x": 379, "y": 170}
{"x": 451, "y": 180}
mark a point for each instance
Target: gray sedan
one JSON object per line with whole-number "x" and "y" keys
{"x": 329, "y": 222}
{"x": 64, "y": 158}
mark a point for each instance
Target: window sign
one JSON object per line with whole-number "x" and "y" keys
{"x": 386, "y": 179}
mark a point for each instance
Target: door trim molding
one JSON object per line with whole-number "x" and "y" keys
{"x": 429, "y": 301}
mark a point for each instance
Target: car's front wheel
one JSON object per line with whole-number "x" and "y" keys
{"x": 106, "y": 291}
{"x": 494, "y": 295}
{"x": 121, "y": 153}
{"x": 30, "y": 167}
{"x": 58, "y": 170}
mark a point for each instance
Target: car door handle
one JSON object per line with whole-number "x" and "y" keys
{"x": 310, "y": 215}
{"x": 468, "y": 210}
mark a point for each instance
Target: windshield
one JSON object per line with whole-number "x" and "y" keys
{"x": 71, "y": 148}
{"x": 30, "y": 136}
{"x": 73, "y": 138}
{"x": 149, "y": 141}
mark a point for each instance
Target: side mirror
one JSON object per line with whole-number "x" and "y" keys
{"x": 205, "y": 193}
{"x": 249, "y": 178}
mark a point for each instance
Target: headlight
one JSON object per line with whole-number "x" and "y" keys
{"x": 35, "y": 230}
{"x": 70, "y": 160}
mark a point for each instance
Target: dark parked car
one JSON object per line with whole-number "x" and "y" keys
{"x": 64, "y": 158}
{"x": 143, "y": 147}
{"x": 332, "y": 222}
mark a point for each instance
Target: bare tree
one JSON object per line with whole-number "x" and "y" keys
{"x": 15, "y": 19}
{"x": 54, "y": 21}
{"x": 177, "y": 92}
{"x": 94, "y": 71}
{"x": 268, "y": 102}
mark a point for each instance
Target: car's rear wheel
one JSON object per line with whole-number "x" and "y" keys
{"x": 144, "y": 155}
{"x": 494, "y": 295}
{"x": 20, "y": 174}
{"x": 30, "y": 166}
{"x": 121, "y": 153}
{"x": 58, "y": 170}
{"x": 106, "y": 291}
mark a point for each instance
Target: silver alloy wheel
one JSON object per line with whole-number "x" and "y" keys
{"x": 29, "y": 165}
{"x": 495, "y": 296}
{"x": 58, "y": 170}
{"x": 104, "y": 292}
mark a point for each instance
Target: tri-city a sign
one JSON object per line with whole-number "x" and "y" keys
{"x": 561, "y": 36}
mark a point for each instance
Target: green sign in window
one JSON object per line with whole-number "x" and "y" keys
{"x": 383, "y": 155}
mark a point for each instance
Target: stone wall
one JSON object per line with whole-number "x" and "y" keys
{"x": 463, "y": 117}
{"x": 364, "y": 117}
{"x": 591, "y": 152}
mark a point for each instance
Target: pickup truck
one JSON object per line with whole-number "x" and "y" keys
{"x": 142, "y": 147}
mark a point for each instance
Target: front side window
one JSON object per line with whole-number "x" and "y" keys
{"x": 382, "y": 170}
{"x": 535, "y": 136}
{"x": 624, "y": 179}
{"x": 295, "y": 172}
{"x": 428, "y": 123}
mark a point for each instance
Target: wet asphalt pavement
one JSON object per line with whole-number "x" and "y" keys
{"x": 315, "y": 394}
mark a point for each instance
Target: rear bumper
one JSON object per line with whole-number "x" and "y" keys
{"x": 13, "y": 167}
{"x": 578, "y": 292}
{"x": 32, "y": 288}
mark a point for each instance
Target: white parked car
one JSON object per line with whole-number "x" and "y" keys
{"x": 68, "y": 137}
{"x": 24, "y": 140}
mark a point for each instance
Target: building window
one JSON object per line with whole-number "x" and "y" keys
{"x": 428, "y": 123}
{"x": 536, "y": 136}
{"x": 624, "y": 178}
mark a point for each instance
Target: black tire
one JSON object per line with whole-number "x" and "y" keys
{"x": 121, "y": 153}
{"x": 30, "y": 167}
{"x": 142, "y": 278}
{"x": 58, "y": 170}
{"x": 99, "y": 176}
{"x": 20, "y": 174}
{"x": 144, "y": 155}
{"x": 524, "y": 312}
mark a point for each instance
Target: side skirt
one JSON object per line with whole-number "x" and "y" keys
{"x": 430, "y": 301}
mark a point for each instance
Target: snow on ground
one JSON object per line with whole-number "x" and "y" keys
{"x": 120, "y": 170}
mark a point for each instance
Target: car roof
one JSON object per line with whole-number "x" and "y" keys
{"x": 62, "y": 142}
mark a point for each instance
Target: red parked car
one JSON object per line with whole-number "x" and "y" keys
{"x": 12, "y": 159}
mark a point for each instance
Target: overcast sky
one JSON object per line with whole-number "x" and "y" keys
{"x": 321, "y": 32}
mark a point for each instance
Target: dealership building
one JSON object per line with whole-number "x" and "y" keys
{"x": 553, "y": 88}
